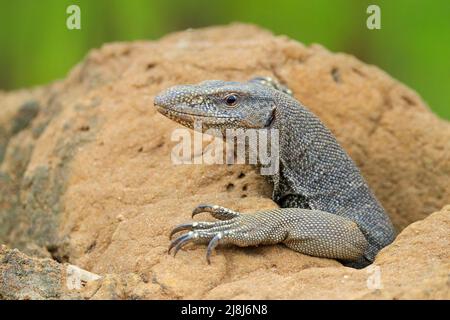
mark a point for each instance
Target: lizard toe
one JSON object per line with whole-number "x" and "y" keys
{"x": 218, "y": 212}
{"x": 200, "y": 225}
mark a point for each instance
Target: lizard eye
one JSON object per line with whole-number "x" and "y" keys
{"x": 231, "y": 99}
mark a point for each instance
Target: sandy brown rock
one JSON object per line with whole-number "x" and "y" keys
{"x": 22, "y": 277}
{"x": 415, "y": 266}
{"x": 86, "y": 176}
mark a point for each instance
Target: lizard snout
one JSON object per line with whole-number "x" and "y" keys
{"x": 159, "y": 100}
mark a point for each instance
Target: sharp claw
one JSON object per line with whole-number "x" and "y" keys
{"x": 199, "y": 209}
{"x": 184, "y": 241}
{"x": 177, "y": 240}
{"x": 212, "y": 244}
{"x": 181, "y": 227}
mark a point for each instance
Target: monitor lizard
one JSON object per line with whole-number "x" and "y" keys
{"x": 326, "y": 207}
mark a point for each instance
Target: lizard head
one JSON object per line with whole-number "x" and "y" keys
{"x": 219, "y": 104}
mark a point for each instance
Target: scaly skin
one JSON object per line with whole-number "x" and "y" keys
{"x": 327, "y": 209}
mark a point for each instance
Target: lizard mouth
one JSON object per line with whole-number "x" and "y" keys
{"x": 169, "y": 111}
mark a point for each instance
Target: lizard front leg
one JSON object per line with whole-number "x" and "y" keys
{"x": 311, "y": 232}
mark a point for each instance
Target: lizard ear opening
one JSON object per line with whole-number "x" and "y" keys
{"x": 271, "y": 118}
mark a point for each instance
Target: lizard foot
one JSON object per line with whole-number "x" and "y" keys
{"x": 233, "y": 228}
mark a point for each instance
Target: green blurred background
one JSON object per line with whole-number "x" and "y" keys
{"x": 413, "y": 44}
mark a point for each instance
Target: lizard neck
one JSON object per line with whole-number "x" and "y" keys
{"x": 311, "y": 160}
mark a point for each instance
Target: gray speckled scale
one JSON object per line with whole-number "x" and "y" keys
{"x": 327, "y": 208}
